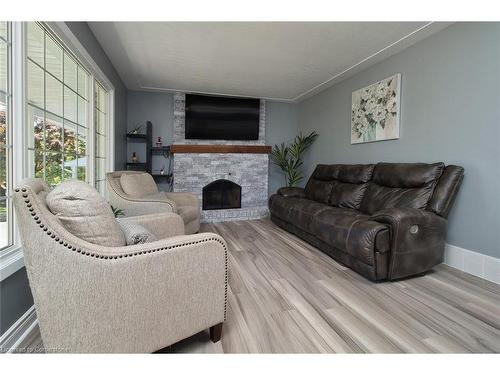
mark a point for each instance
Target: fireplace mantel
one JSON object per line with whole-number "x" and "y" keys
{"x": 219, "y": 149}
{"x": 197, "y": 163}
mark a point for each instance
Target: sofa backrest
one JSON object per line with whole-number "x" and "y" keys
{"x": 371, "y": 188}
{"x": 408, "y": 185}
{"x": 446, "y": 190}
{"x": 339, "y": 185}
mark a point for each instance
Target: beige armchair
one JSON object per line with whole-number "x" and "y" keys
{"x": 184, "y": 204}
{"x": 128, "y": 299}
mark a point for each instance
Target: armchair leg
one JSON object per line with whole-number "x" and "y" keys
{"x": 216, "y": 332}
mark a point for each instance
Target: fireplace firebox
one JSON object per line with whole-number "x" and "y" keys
{"x": 221, "y": 195}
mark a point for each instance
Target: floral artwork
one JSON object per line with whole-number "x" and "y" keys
{"x": 375, "y": 111}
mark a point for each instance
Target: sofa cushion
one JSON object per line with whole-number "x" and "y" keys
{"x": 446, "y": 190}
{"x": 138, "y": 185}
{"x": 346, "y": 195}
{"x": 298, "y": 211}
{"x": 303, "y": 211}
{"x": 340, "y": 185}
{"x": 405, "y": 185}
{"x": 350, "y": 231}
{"x": 319, "y": 186}
{"x": 355, "y": 173}
{"x": 406, "y": 175}
{"x": 85, "y": 213}
{"x": 351, "y": 185}
{"x": 318, "y": 190}
{"x": 324, "y": 172}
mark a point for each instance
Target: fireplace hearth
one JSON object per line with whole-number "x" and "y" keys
{"x": 221, "y": 195}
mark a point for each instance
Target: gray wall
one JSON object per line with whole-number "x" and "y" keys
{"x": 15, "y": 299}
{"x": 281, "y": 125}
{"x": 159, "y": 109}
{"x": 450, "y": 106}
{"x": 155, "y": 107}
{"x": 89, "y": 41}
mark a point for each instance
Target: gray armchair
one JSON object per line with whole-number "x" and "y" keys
{"x": 139, "y": 298}
{"x": 184, "y": 204}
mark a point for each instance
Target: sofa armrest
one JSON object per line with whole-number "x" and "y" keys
{"x": 417, "y": 240}
{"x": 162, "y": 225}
{"x": 292, "y": 192}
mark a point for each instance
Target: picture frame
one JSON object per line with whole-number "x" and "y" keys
{"x": 376, "y": 111}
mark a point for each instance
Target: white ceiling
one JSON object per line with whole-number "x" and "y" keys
{"x": 286, "y": 61}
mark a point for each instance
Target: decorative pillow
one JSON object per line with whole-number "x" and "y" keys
{"x": 138, "y": 185}
{"x": 85, "y": 213}
{"x": 135, "y": 233}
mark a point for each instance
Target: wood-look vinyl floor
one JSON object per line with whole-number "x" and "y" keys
{"x": 286, "y": 296}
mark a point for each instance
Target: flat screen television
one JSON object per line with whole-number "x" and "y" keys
{"x": 224, "y": 118}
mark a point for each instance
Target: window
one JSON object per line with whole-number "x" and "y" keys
{"x": 101, "y": 135}
{"x": 57, "y": 109}
{"x": 5, "y": 138}
{"x": 56, "y": 118}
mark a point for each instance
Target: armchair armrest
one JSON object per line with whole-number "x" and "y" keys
{"x": 156, "y": 293}
{"x": 159, "y": 203}
{"x": 183, "y": 199}
{"x": 292, "y": 192}
{"x": 417, "y": 240}
{"x": 124, "y": 299}
{"x": 162, "y": 225}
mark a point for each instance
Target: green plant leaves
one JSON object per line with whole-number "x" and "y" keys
{"x": 117, "y": 211}
{"x": 289, "y": 158}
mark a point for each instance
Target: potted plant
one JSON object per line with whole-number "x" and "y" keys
{"x": 289, "y": 158}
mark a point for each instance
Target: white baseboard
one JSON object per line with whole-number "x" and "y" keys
{"x": 480, "y": 265}
{"x": 17, "y": 337}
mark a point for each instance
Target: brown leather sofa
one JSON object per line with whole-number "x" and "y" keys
{"x": 385, "y": 221}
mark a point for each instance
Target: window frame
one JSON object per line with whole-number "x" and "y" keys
{"x": 106, "y": 134}
{"x": 8, "y": 140}
{"x": 11, "y": 258}
{"x": 48, "y": 34}
{"x": 63, "y": 32}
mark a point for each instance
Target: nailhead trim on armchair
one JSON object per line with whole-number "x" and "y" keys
{"x": 25, "y": 194}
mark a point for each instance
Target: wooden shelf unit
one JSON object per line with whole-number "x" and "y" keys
{"x": 147, "y": 139}
{"x": 137, "y": 136}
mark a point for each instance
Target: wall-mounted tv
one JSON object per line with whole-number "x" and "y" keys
{"x": 224, "y": 118}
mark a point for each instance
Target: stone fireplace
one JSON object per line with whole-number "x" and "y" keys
{"x": 221, "y": 195}
{"x": 208, "y": 173}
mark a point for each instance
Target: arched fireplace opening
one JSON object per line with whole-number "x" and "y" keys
{"x": 221, "y": 195}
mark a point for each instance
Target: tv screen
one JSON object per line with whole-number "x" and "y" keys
{"x": 217, "y": 117}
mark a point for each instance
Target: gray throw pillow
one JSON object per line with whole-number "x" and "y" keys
{"x": 135, "y": 233}
{"x": 85, "y": 213}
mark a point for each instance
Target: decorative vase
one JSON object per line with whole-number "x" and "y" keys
{"x": 135, "y": 159}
